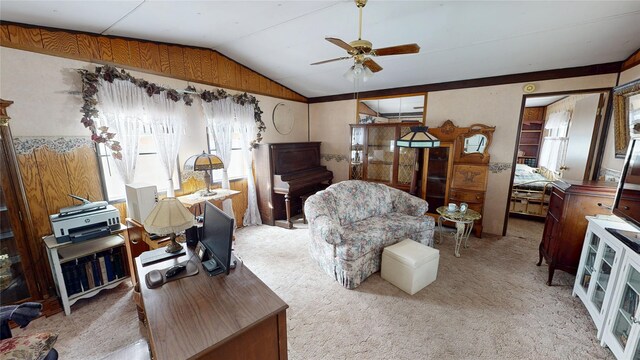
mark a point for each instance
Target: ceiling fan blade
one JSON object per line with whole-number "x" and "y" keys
{"x": 336, "y": 59}
{"x": 397, "y": 50}
{"x": 342, "y": 44}
{"x": 372, "y": 65}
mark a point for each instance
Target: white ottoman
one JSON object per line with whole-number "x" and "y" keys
{"x": 410, "y": 265}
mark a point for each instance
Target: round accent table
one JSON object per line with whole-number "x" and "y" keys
{"x": 464, "y": 224}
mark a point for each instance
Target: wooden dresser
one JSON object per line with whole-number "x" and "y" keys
{"x": 565, "y": 225}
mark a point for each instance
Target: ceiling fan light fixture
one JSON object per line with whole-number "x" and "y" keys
{"x": 358, "y": 71}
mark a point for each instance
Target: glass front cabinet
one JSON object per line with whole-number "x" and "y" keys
{"x": 608, "y": 283}
{"x": 599, "y": 265}
{"x": 374, "y": 156}
{"x": 622, "y": 331}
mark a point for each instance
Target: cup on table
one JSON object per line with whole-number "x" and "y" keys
{"x": 463, "y": 207}
{"x": 452, "y": 207}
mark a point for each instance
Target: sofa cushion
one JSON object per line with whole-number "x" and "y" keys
{"x": 375, "y": 233}
{"x": 35, "y": 346}
{"x": 358, "y": 200}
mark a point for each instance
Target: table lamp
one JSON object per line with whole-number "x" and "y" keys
{"x": 169, "y": 217}
{"x": 418, "y": 138}
{"x": 204, "y": 162}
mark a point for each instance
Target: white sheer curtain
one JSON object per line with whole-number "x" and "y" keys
{"x": 247, "y": 127}
{"x": 121, "y": 108}
{"x": 220, "y": 116}
{"x": 167, "y": 123}
{"x": 554, "y": 144}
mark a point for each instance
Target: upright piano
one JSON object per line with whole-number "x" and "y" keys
{"x": 284, "y": 172}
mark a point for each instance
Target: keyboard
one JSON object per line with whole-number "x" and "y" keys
{"x": 154, "y": 256}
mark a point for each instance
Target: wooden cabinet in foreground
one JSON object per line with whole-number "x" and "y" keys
{"x": 566, "y": 225}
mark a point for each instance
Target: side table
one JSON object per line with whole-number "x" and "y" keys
{"x": 464, "y": 224}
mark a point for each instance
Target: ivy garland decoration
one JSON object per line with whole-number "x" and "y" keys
{"x": 102, "y": 135}
{"x": 241, "y": 99}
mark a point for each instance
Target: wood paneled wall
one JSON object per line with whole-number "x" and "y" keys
{"x": 177, "y": 61}
{"x": 48, "y": 178}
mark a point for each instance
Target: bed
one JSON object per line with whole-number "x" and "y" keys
{"x": 531, "y": 190}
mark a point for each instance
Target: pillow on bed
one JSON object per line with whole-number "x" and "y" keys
{"x": 523, "y": 169}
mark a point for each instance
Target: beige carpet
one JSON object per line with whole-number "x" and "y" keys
{"x": 492, "y": 303}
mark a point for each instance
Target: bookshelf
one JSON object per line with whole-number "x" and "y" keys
{"x": 531, "y": 134}
{"x": 81, "y": 270}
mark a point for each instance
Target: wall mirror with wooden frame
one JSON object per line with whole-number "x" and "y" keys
{"x": 475, "y": 144}
{"x": 392, "y": 109}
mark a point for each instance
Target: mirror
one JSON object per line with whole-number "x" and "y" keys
{"x": 626, "y": 112}
{"x": 283, "y": 119}
{"x": 391, "y": 109}
{"x": 475, "y": 144}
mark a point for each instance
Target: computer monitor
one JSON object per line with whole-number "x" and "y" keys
{"x": 217, "y": 238}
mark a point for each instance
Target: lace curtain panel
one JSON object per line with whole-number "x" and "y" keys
{"x": 166, "y": 118}
{"x": 247, "y": 128}
{"x": 121, "y": 108}
{"x": 554, "y": 144}
{"x": 220, "y": 116}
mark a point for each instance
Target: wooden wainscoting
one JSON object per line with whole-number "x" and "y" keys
{"x": 48, "y": 177}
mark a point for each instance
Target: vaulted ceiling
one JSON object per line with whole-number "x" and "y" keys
{"x": 280, "y": 39}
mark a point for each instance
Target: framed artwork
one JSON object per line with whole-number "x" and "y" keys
{"x": 626, "y": 115}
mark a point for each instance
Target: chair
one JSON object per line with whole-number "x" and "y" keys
{"x": 37, "y": 346}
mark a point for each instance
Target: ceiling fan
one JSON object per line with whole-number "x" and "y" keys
{"x": 362, "y": 50}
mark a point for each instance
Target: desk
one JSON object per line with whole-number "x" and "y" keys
{"x": 194, "y": 202}
{"x": 221, "y": 317}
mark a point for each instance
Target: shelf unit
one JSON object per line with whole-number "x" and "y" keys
{"x": 598, "y": 269}
{"x": 608, "y": 284}
{"x": 63, "y": 253}
{"x": 622, "y": 329}
{"x": 531, "y": 135}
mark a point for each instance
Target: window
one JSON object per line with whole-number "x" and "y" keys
{"x": 149, "y": 169}
{"x": 236, "y": 168}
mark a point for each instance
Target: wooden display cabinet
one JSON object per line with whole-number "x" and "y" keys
{"x": 18, "y": 280}
{"x": 374, "y": 156}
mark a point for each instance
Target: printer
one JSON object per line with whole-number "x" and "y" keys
{"x": 87, "y": 221}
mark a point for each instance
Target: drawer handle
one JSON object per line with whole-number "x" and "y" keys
{"x": 608, "y": 207}
{"x": 477, "y": 197}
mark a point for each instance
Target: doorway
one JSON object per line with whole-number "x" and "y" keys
{"x": 558, "y": 138}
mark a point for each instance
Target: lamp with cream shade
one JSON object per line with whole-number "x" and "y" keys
{"x": 169, "y": 217}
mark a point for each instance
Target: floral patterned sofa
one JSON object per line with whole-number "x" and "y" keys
{"x": 351, "y": 222}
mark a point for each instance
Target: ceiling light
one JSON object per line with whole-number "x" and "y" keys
{"x": 358, "y": 71}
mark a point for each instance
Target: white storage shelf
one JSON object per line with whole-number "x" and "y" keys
{"x": 608, "y": 270}
{"x": 61, "y": 253}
